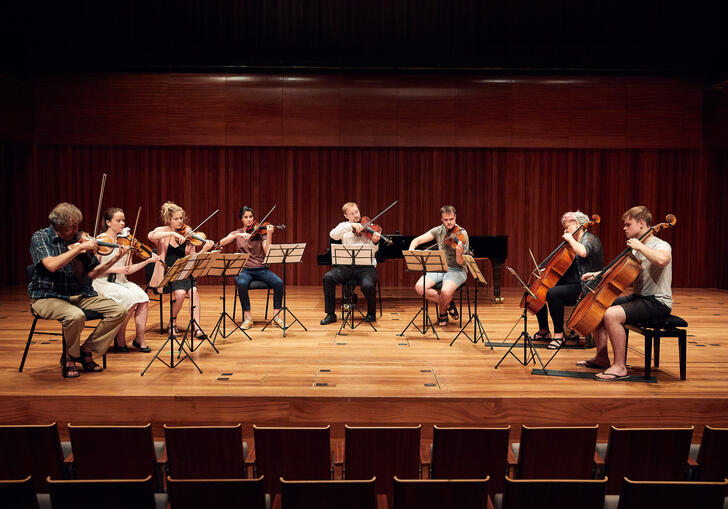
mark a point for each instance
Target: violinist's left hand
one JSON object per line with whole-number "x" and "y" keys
{"x": 208, "y": 245}
{"x": 460, "y": 248}
{"x": 122, "y": 251}
{"x": 376, "y": 237}
{"x": 154, "y": 257}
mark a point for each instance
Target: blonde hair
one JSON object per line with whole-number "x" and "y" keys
{"x": 65, "y": 213}
{"x": 447, "y": 209}
{"x": 347, "y": 205}
{"x": 639, "y": 213}
{"x": 169, "y": 209}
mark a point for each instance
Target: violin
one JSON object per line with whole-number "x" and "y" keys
{"x": 259, "y": 230}
{"x": 551, "y": 270}
{"x": 143, "y": 251}
{"x": 608, "y": 285}
{"x": 370, "y": 229}
{"x": 457, "y": 237}
{"x": 196, "y": 238}
{"x": 106, "y": 244}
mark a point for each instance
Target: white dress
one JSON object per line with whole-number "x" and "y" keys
{"x": 121, "y": 290}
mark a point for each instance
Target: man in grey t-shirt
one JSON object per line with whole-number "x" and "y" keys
{"x": 456, "y": 273}
{"x": 651, "y": 297}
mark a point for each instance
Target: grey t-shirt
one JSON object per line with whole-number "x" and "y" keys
{"x": 441, "y": 233}
{"x": 654, "y": 280}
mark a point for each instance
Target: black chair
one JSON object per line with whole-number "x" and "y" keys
{"x": 672, "y": 494}
{"x": 18, "y": 494}
{"x": 654, "y": 330}
{"x": 155, "y": 296}
{"x": 347, "y": 293}
{"x": 438, "y": 286}
{"x": 254, "y": 285}
{"x": 90, "y": 315}
{"x": 107, "y": 493}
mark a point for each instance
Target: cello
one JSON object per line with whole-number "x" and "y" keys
{"x": 609, "y": 284}
{"x": 552, "y": 269}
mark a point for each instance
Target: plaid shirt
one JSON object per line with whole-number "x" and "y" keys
{"x": 62, "y": 283}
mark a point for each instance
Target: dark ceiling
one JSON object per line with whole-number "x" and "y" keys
{"x": 611, "y": 36}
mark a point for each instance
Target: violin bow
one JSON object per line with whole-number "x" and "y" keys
{"x": 98, "y": 209}
{"x": 382, "y": 212}
{"x": 202, "y": 223}
{"x": 133, "y": 233}
{"x": 268, "y": 214}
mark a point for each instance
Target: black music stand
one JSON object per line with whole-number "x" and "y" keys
{"x": 356, "y": 256}
{"x": 528, "y": 348}
{"x": 424, "y": 261}
{"x": 201, "y": 263}
{"x": 478, "y": 329}
{"x": 285, "y": 254}
{"x": 224, "y": 266}
{"x": 176, "y": 272}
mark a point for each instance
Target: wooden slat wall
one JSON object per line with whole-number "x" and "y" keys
{"x": 516, "y": 192}
{"x": 369, "y": 110}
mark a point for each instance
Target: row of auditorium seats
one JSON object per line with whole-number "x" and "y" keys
{"x": 383, "y": 453}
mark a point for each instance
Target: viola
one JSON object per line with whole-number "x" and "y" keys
{"x": 106, "y": 246}
{"x": 143, "y": 251}
{"x": 196, "y": 238}
{"x": 259, "y": 230}
{"x": 608, "y": 285}
{"x": 551, "y": 270}
{"x": 457, "y": 237}
{"x": 370, "y": 229}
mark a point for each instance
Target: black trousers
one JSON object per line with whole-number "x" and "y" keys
{"x": 556, "y": 298}
{"x": 366, "y": 277}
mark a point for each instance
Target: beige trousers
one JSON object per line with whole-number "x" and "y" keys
{"x": 70, "y": 314}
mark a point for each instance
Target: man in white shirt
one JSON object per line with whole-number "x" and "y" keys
{"x": 350, "y": 233}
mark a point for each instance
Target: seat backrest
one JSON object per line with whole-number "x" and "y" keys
{"x": 328, "y": 494}
{"x": 382, "y": 453}
{"x": 672, "y": 494}
{"x": 18, "y": 494}
{"x": 557, "y": 452}
{"x": 646, "y": 454}
{"x": 109, "y": 494}
{"x": 214, "y": 493}
{"x": 33, "y": 450}
{"x": 471, "y": 453}
{"x": 437, "y": 493}
{"x": 29, "y": 272}
{"x": 291, "y": 453}
{"x": 112, "y": 452}
{"x": 205, "y": 452}
{"x": 561, "y": 493}
{"x": 713, "y": 454}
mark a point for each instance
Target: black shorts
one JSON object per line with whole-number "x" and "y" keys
{"x": 640, "y": 308}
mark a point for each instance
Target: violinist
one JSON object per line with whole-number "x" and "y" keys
{"x": 114, "y": 285}
{"x": 171, "y": 246}
{"x": 250, "y": 239}
{"x": 456, "y": 273}
{"x": 366, "y": 276}
{"x": 61, "y": 287}
{"x": 651, "y": 296}
{"x": 589, "y": 257}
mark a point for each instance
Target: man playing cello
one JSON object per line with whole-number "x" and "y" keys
{"x": 651, "y": 297}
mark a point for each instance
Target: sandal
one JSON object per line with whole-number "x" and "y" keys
{"x": 542, "y": 335}
{"x": 556, "y": 343}
{"x": 69, "y": 370}
{"x": 442, "y": 320}
{"x": 453, "y": 310}
{"x": 200, "y": 335}
{"x": 87, "y": 363}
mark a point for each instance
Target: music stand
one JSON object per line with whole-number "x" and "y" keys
{"x": 354, "y": 256}
{"x": 528, "y": 348}
{"x": 478, "y": 329}
{"x": 176, "y": 272}
{"x": 200, "y": 263}
{"x": 285, "y": 254}
{"x": 224, "y": 266}
{"x": 424, "y": 261}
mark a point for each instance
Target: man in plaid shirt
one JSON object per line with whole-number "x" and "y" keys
{"x": 61, "y": 287}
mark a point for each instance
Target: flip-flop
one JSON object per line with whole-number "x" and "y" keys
{"x": 609, "y": 377}
{"x": 590, "y": 364}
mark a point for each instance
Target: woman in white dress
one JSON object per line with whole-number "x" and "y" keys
{"x": 114, "y": 285}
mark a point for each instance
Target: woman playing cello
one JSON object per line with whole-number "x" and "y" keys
{"x": 588, "y": 250}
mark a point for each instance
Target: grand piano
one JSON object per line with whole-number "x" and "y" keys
{"x": 493, "y": 247}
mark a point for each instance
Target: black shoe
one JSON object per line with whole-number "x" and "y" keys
{"x": 119, "y": 348}
{"x": 329, "y": 318}
{"x": 143, "y": 349}
{"x": 370, "y": 318}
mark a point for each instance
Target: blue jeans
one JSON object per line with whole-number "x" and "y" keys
{"x": 259, "y": 274}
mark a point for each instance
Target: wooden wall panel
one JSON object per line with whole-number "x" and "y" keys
{"x": 376, "y": 109}
{"x": 517, "y": 192}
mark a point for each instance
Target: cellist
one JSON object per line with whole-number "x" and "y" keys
{"x": 651, "y": 296}
{"x": 589, "y": 257}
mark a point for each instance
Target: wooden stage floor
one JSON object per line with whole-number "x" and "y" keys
{"x": 365, "y": 377}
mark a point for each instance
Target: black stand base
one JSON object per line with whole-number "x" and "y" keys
{"x": 529, "y": 351}
{"x": 478, "y": 329}
{"x": 348, "y": 320}
{"x": 219, "y": 328}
